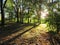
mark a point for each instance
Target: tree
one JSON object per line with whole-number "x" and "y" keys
{"x": 2, "y": 11}
{"x": 16, "y": 7}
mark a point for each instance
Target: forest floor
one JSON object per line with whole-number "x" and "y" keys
{"x": 30, "y": 35}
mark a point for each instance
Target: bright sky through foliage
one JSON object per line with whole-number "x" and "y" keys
{"x": 44, "y": 13}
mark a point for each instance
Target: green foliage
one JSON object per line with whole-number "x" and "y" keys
{"x": 51, "y": 21}
{"x": 9, "y": 4}
{"x": 58, "y": 9}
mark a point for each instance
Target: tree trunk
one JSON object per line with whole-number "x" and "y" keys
{"x": 21, "y": 17}
{"x": 17, "y": 15}
{"x": 28, "y": 19}
{"x": 2, "y": 13}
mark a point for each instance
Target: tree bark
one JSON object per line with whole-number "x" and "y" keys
{"x": 17, "y": 15}
{"x": 2, "y": 13}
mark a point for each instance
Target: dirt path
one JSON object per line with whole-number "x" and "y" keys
{"x": 35, "y": 36}
{"x": 31, "y": 38}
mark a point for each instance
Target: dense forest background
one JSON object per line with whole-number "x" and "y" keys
{"x": 31, "y": 11}
{"x": 45, "y": 13}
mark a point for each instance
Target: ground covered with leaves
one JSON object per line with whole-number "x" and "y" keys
{"x": 36, "y": 36}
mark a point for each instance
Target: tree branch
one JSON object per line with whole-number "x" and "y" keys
{"x": 4, "y": 3}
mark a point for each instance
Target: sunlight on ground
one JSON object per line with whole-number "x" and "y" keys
{"x": 43, "y": 25}
{"x": 30, "y": 34}
{"x": 42, "y": 28}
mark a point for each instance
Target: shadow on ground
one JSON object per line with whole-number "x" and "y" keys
{"x": 6, "y": 31}
{"x": 11, "y": 28}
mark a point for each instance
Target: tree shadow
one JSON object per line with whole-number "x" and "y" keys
{"x": 54, "y": 38}
{"x": 10, "y": 40}
{"x": 10, "y": 29}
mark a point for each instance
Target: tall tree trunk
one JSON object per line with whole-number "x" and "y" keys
{"x": 17, "y": 10}
{"x": 21, "y": 13}
{"x": 28, "y": 16}
{"x": 22, "y": 16}
{"x": 58, "y": 3}
{"x": 17, "y": 15}
{"x": 2, "y": 13}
